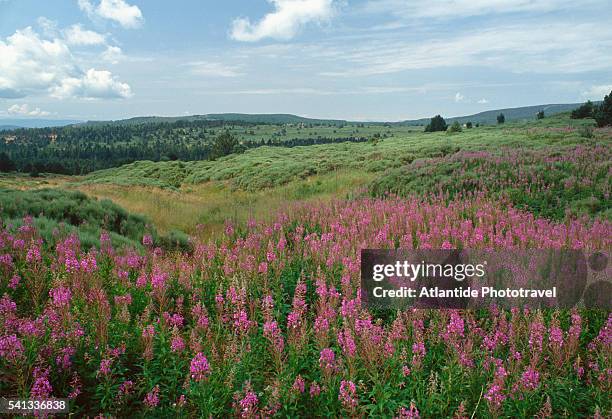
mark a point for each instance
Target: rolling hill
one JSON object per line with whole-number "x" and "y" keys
{"x": 9, "y": 124}
{"x": 511, "y": 114}
{"x": 486, "y": 117}
{"x": 226, "y": 117}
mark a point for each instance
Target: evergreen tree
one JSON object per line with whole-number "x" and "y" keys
{"x": 224, "y": 144}
{"x": 501, "y": 118}
{"x": 6, "y": 164}
{"x": 584, "y": 111}
{"x": 437, "y": 123}
{"x": 603, "y": 112}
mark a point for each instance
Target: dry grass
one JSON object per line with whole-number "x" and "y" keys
{"x": 208, "y": 204}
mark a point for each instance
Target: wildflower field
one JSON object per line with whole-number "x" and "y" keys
{"x": 263, "y": 319}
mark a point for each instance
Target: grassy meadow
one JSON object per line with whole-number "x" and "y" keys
{"x": 106, "y": 302}
{"x": 197, "y": 197}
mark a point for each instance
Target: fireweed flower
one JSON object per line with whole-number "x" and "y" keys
{"x": 327, "y": 360}
{"x": 41, "y": 388}
{"x": 272, "y": 332}
{"x": 14, "y": 282}
{"x": 530, "y": 379}
{"x": 64, "y": 360}
{"x": 105, "y": 367}
{"x": 177, "y": 344}
{"x": 173, "y": 320}
{"x": 199, "y": 369}
{"x": 60, "y": 296}
{"x": 151, "y": 399}
{"x": 299, "y": 385}
{"x": 315, "y": 389}
{"x": 125, "y": 389}
{"x": 158, "y": 280}
{"x": 75, "y": 387}
{"x": 347, "y": 395}
{"x": 411, "y": 413}
{"x": 248, "y": 404}
{"x": 346, "y": 342}
{"x": 147, "y": 240}
{"x": 11, "y": 348}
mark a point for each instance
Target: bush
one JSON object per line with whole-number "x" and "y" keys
{"x": 71, "y": 211}
{"x": 437, "y": 123}
{"x": 468, "y": 125}
{"x": 603, "y": 112}
{"x": 584, "y": 111}
{"x": 501, "y": 118}
{"x": 586, "y": 131}
{"x": 455, "y": 127}
{"x": 540, "y": 115}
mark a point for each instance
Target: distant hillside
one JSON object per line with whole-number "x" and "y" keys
{"x": 7, "y": 124}
{"x": 511, "y": 114}
{"x": 238, "y": 117}
{"x": 486, "y": 117}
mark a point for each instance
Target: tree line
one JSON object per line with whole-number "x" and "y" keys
{"x": 75, "y": 150}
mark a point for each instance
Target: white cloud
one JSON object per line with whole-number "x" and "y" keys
{"x": 282, "y": 91}
{"x": 286, "y": 20}
{"x": 48, "y": 26}
{"x": 31, "y": 65}
{"x": 597, "y": 92}
{"x": 24, "y": 110}
{"x": 459, "y": 97}
{"x": 112, "y": 54}
{"x": 444, "y": 9}
{"x": 94, "y": 84}
{"x": 214, "y": 69}
{"x": 483, "y": 101}
{"x": 76, "y": 35}
{"x": 128, "y": 16}
{"x": 560, "y": 48}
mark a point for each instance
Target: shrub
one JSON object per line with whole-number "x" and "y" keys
{"x": 501, "y": 118}
{"x": 586, "y": 131}
{"x": 584, "y": 111}
{"x": 540, "y": 115}
{"x": 71, "y": 211}
{"x": 455, "y": 127}
{"x": 468, "y": 125}
{"x": 603, "y": 112}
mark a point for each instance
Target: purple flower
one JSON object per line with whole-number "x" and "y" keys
{"x": 60, "y": 296}
{"x": 530, "y": 379}
{"x": 248, "y": 404}
{"x": 152, "y": 398}
{"x": 177, "y": 344}
{"x": 199, "y": 367}
{"x": 41, "y": 389}
{"x": 11, "y": 348}
{"x": 327, "y": 360}
{"x": 147, "y": 240}
{"x": 347, "y": 394}
{"x": 299, "y": 385}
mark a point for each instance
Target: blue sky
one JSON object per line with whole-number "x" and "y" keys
{"x": 350, "y": 59}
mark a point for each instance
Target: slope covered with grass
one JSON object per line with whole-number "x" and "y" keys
{"x": 57, "y": 211}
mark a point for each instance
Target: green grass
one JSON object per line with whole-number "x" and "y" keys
{"x": 60, "y": 211}
{"x": 181, "y": 195}
{"x": 268, "y": 167}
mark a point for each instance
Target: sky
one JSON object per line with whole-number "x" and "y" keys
{"x": 348, "y": 59}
